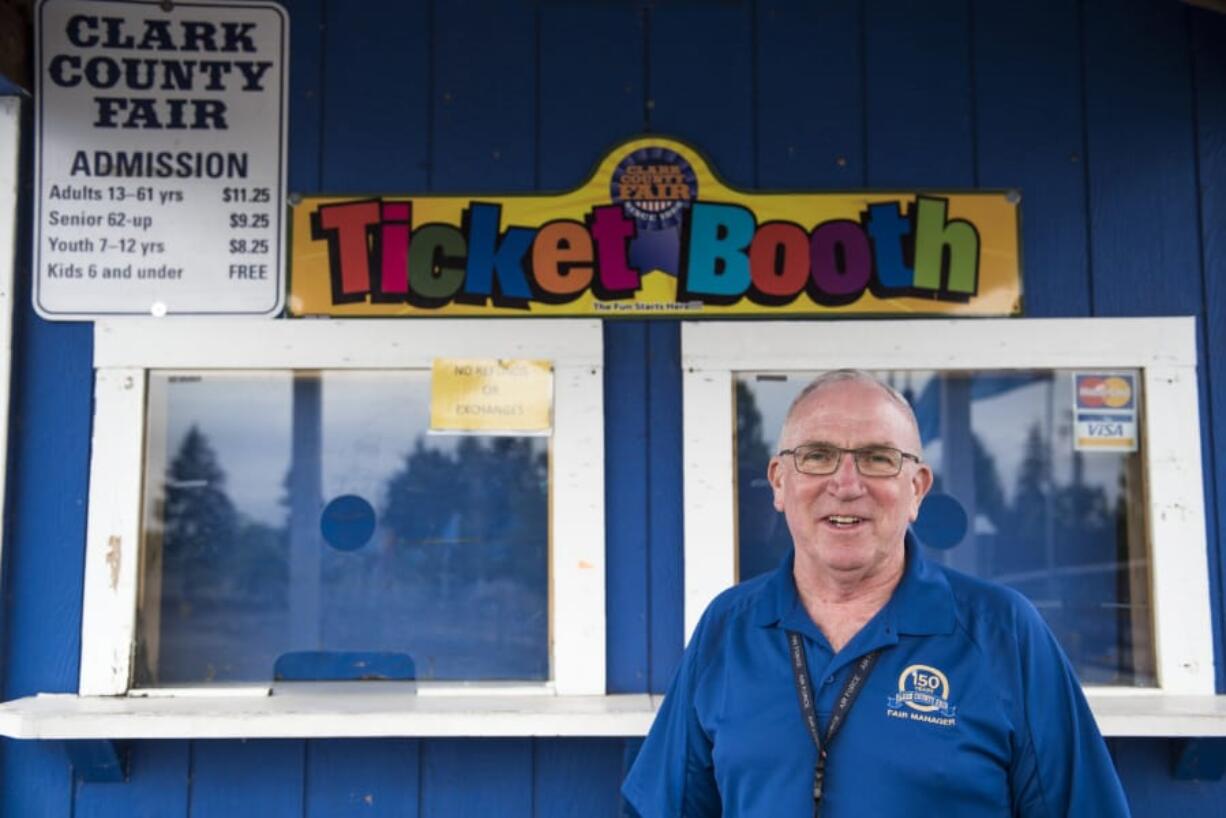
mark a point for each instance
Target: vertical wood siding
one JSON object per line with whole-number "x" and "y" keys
{"x": 1209, "y": 66}
{"x": 1031, "y": 137}
{"x": 157, "y": 785}
{"x": 919, "y": 107}
{"x": 809, "y": 113}
{"x": 1108, "y": 115}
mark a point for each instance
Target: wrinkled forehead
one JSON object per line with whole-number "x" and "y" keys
{"x": 850, "y": 412}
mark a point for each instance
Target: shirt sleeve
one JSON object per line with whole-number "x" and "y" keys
{"x": 1062, "y": 767}
{"x": 673, "y": 775}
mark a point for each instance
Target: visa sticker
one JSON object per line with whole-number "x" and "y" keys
{"x": 1105, "y": 411}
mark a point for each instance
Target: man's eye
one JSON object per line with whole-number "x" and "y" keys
{"x": 879, "y": 457}
{"x": 818, "y": 456}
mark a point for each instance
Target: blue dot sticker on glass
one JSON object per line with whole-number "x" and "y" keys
{"x": 941, "y": 523}
{"x": 347, "y": 522}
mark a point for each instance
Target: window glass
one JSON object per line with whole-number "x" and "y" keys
{"x": 1061, "y": 521}
{"x": 294, "y": 520}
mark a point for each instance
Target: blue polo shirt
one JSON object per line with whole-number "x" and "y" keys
{"x": 972, "y": 710}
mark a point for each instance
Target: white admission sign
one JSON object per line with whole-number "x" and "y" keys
{"x": 160, "y": 158}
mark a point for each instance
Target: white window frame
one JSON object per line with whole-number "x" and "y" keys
{"x": 1163, "y": 349}
{"x": 10, "y": 152}
{"x": 126, "y": 349}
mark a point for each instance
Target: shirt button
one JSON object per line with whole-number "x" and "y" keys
{"x": 829, "y": 680}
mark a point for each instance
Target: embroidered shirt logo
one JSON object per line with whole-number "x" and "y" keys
{"x": 923, "y": 695}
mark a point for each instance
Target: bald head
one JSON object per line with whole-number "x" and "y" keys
{"x": 842, "y": 376}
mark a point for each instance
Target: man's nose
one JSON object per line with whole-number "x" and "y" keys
{"x": 846, "y": 478}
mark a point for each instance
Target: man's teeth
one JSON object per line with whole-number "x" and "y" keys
{"x": 839, "y": 519}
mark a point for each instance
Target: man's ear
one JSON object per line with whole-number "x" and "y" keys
{"x": 774, "y": 473}
{"x": 921, "y": 484}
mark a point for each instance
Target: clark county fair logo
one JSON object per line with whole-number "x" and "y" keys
{"x": 923, "y": 695}
{"x": 655, "y": 186}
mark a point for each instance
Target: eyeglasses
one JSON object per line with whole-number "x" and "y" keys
{"x": 871, "y": 461}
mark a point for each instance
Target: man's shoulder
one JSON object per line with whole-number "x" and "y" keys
{"x": 740, "y": 597}
{"x": 734, "y": 605}
{"x": 983, "y": 602}
{"x": 1002, "y": 624}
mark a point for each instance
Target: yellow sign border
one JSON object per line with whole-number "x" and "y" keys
{"x": 334, "y": 236}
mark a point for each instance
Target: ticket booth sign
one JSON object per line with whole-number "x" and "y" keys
{"x": 655, "y": 232}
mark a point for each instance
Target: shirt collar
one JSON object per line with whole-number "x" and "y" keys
{"x": 778, "y": 595}
{"x": 922, "y": 604}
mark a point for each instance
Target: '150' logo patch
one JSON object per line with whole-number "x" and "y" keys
{"x": 923, "y": 695}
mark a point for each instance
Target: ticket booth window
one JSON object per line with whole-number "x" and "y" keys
{"x": 1067, "y": 463}
{"x": 293, "y": 519}
{"x": 289, "y": 502}
{"x": 1023, "y": 495}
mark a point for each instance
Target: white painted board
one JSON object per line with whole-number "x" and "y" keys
{"x": 369, "y": 711}
{"x": 10, "y": 174}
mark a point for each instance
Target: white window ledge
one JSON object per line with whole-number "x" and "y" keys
{"x": 1158, "y": 714}
{"x": 376, "y": 714}
{"x": 371, "y": 713}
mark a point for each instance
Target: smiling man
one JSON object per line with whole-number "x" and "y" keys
{"x": 859, "y": 679}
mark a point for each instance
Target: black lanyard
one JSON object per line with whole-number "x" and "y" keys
{"x": 804, "y": 690}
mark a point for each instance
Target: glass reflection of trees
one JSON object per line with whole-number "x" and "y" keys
{"x": 213, "y": 556}
{"x": 467, "y": 535}
{"x": 220, "y": 572}
{"x": 1064, "y": 545}
{"x": 457, "y": 576}
{"x": 473, "y": 514}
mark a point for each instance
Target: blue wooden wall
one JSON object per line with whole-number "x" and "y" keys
{"x": 1109, "y": 115}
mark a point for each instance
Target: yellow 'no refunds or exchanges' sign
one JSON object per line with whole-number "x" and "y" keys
{"x": 490, "y": 395}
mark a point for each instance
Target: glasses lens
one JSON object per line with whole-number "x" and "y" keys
{"x": 817, "y": 459}
{"x": 879, "y": 462}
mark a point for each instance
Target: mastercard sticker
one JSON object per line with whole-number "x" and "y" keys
{"x": 1105, "y": 411}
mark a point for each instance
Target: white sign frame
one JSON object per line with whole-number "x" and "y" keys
{"x": 160, "y": 158}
